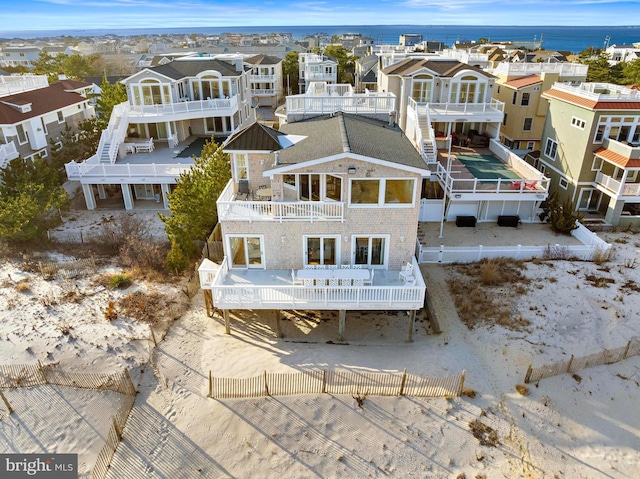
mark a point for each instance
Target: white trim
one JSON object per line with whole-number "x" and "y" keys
{"x": 549, "y": 147}
{"x": 381, "y": 194}
{"x": 26, "y": 136}
{"x": 565, "y": 185}
{"x": 244, "y": 236}
{"x": 578, "y": 123}
{"x": 322, "y": 237}
{"x": 385, "y": 254}
{"x": 343, "y": 156}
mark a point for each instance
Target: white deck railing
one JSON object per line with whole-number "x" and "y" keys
{"x": 453, "y": 185}
{"x": 289, "y": 296}
{"x": 617, "y": 187}
{"x": 263, "y": 91}
{"x": 494, "y": 106}
{"x": 357, "y": 103}
{"x": 215, "y": 104}
{"x": 11, "y": 85}
{"x": 230, "y": 209}
{"x": 92, "y": 167}
{"x": 262, "y": 78}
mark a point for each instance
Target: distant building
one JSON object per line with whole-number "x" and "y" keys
{"x": 410, "y": 39}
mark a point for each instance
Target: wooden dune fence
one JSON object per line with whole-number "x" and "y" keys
{"x": 576, "y": 363}
{"x": 70, "y": 269}
{"x": 29, "y": 375}
{"x": 335, "y": 382}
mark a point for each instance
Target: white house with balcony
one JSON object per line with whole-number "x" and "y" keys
{"x": 323, "y": 98}
{"x": 169, "y": 107}
{"x": 446, "y": 108}
{"x": 315, "y": 67}
{"x": 266, "y": 80}
{"x": 591, "y": 149}
{"x": 320, "y": 215}
{"x": 34, "y": 114}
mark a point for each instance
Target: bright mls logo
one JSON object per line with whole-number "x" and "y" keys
{"x": 45, "y": 466}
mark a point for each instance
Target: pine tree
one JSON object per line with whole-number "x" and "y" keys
{"x": 193, "y": 201}
{"x": 30, "y": 195}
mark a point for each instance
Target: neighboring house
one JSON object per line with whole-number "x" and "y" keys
{"x": 622, "y": 53}
{"x": 323, "y": 98}
{"x": 591, "y": 149}
{"x": 366, "y": 74}
{"x": 266, "y": 80}
{"x": 168, "y": 107}
{"x": 320, "y": 215}
{"x": 520, "y": 86}
{"x": 410, "y": 39}
{"x": 446, "y": 108}
{"x": 32, "y": 119}
{"x": 314, "y": 67}
{"x": 20, "y": 56}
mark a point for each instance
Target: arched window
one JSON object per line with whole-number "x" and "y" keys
{"x": 422, "y": 88}
{"x": 468, "y": 89}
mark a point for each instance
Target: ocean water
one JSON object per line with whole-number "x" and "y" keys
{"x": 568, "y": 38}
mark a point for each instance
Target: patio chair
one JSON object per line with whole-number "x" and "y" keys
{"x": 369, "y": 282}
{"x": 243, "y": 187}
{"x": 406, "y": 273}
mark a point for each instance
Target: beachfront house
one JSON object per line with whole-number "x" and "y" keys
{"x": 171, "y": 109}
{"x": 519, "y": 86}
{"x": 34, "y": 113}
{"x": 320, "y": 215}
{"x": 446, "y": 108}
{"x": 591, "y": 149}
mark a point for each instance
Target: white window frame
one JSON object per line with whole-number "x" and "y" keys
{"x": 381, "y": 194}
{"x": 228, "y": 239}
{"x": 596, "y": 164}
{"x": 61, "y": 116}
{"x": 236, "y": 157}
{"x": 305, "y": 249}
{"x": 527, "y": 95}
{"x": 293, "y": 187}
{"x": 524, "y": 124}
{"x": 563, "y": 183}
{"x": 385, "y": 254}
{"x": 551, "y": 145}
{"x": 578, "y": 123}
{"x": 531, "y": 145}
{"x": 26, "y": 137}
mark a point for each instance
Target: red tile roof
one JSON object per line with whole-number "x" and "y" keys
{"x": 590, "y": 103}
{"x": 617, "y": 158}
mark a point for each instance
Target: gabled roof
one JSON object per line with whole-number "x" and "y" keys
{"x": 256, "y": 137}
{"x": 343, "y": 133}
{"x": 70, "y": 85}
{"x": 443, "y": 68}
{"x": 42, "y": 100}
{"x": 524, "y": 81}
{"x": 177, "y": 70}
{"x": 263, "y": 60}
{"x": 617, "y": 158}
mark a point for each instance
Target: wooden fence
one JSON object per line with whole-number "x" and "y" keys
{"x": 70, "y": 269}
{"x": 335, "y": 382}
{"x": 576, "y": 363}
{"x": 28, "y": 375}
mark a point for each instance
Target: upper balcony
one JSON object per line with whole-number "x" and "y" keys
{"x": 619, "y": 156}
{"x": 262, "y": 78}
{"x": 231, "y": 208}
{"x": 275, "y": 289}
{"x": 565, "y": 70}
{"x": 600, "y": 92}
{"x": 11, "y": 85}
{"x": 263, "y": 91}
{"x": 184, "y": 110}
{"x": 8, "y": 152}
{"x": 320, "y": 76}
{"x": 489, "y": 112}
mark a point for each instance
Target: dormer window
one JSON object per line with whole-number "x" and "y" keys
{"x": 422, "y": 88}
{"x": 468, "y": 89}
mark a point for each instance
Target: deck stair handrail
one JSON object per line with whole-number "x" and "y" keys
{"x": 114, "y": 134}
{"x": 8, "y": 152}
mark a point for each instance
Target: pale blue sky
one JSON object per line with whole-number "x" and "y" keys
{"x": 108, "y": 14}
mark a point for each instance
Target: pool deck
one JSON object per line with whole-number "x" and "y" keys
{"x": 457, "y": 166}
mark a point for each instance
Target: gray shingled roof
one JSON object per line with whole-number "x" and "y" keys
{"x": 255, "y": 137}
{"x": 444, "y": 68}
{"x": 263, "y": 60}
{"x": 185, "y": 68}
{"x": 344, "y": 133}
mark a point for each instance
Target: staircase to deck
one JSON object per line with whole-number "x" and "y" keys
{"x": 429, "y": 150}
{"x": 114, "y": 134}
